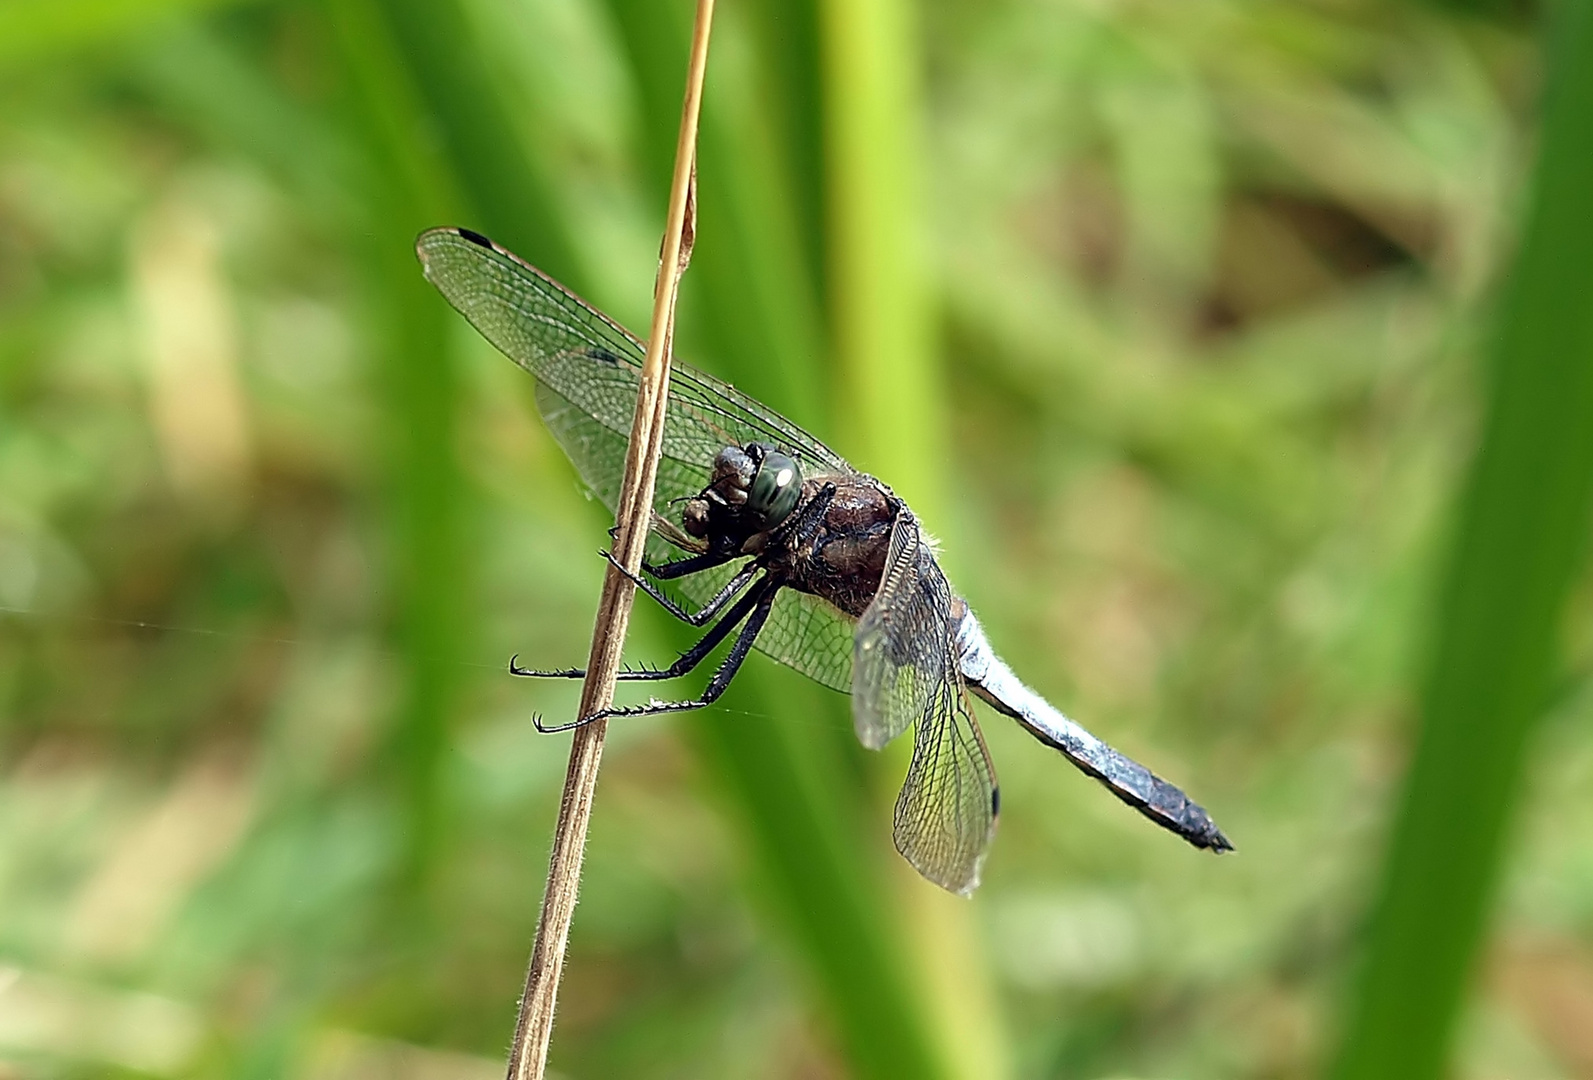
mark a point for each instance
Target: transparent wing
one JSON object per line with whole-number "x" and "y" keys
{"x": 806, "y": 633}
{"x": 588, "y": 369}
{"x": 946, "y": 812}
{"x": 901, "y": 639}
{"x": 594, "y": 364}
{"x": 906, "y": 671}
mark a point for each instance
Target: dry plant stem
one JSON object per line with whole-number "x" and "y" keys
{"x": 529, "y": 1052}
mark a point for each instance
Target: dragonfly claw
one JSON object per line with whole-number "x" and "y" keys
{"x": 557, "y": 729}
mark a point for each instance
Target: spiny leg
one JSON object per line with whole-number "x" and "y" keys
{"x": 687, "y": 661}
{"x": 708, "y": 611}
{"x": 716, "y": 685}
{"x": 798, "y": 528}
{"x": 695, "y": 564}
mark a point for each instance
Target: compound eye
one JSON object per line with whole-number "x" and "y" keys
{"x": 776, "y": 487}
{"x": 734, "y": 464}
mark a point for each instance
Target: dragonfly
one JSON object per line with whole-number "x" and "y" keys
{"x": 778, "y": 544}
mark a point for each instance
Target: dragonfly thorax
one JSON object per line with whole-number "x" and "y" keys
{"x": 753, "y": 488}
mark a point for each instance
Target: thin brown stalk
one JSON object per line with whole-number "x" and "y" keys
{"x": 528, "y": 1053}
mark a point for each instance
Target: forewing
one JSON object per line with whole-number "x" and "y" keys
{"x": 598, "y": 454}
{"x": 594, "y": 364}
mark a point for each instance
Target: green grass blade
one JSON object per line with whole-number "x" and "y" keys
{"x": 196, "y": 74}
{"x": 505, "y": 184}
{"x": 801, "y": 810}
{"x": 877, "y": 273}
{"x": 750, "y": 295}
{"x": 1522, "y": 533}
{"x": 787, "y": 34}
{"x": 420, "y": 394}
{"x": 38, "y": 29}
{"x": 418, "y": 387}
{"x": 790, "y": 770}
{"x": 896, "y": 421}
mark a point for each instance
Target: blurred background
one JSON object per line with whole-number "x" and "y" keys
{"x": 1167, "y": 317}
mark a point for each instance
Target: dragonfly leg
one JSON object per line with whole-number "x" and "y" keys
{"x": 681, "y": 567}
{"x": 763, "y": 597}
{"x": 683, "y": 665}
{"x": 708, "y": 611}
{"x": 807, "y": 520}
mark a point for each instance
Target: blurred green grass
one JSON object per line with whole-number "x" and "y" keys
{"x": 1520, "y": 542}
{"x": 1195, "y": 294}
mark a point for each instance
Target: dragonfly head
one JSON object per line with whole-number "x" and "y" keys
{"x": 753, "y": 489}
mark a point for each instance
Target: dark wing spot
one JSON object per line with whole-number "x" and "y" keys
{"x": 995, "y": 802}
{"x": 477, "y": 238}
